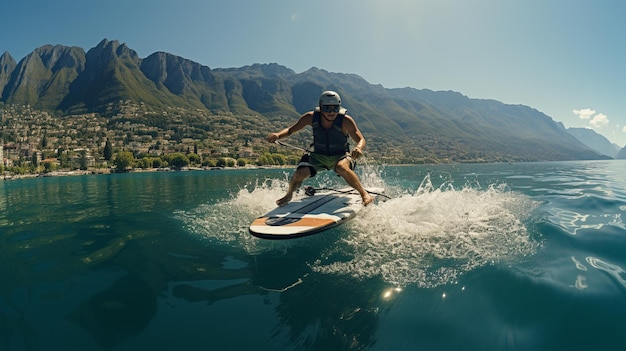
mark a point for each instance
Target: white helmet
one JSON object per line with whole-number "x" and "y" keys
{"x": 329, "y": 98}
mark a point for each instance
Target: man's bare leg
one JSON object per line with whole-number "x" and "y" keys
{"x": 299, "y": 176}
{"x": 343, "y": 169}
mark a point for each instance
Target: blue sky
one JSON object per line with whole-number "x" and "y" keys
{"x": 565, "y": 58}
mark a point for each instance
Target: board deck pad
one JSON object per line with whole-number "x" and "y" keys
{"x": 308, "y": 215}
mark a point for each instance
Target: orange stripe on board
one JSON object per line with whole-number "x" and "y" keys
{"x": 303, "y": 222}
{"x": 259, "y": 221}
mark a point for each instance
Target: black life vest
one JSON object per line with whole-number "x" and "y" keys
{"x": 330, "y": 142}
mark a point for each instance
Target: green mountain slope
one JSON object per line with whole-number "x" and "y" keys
{"x": 43, "y": 77}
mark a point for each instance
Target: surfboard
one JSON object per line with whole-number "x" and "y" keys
{"x": 308, "y": 215}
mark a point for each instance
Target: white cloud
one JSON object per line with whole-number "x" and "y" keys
{"x": 624, "y": 129}
{"x": 596, "y": 119}
{"x": 585, "y": 113}
{"x": 600, "y": 120}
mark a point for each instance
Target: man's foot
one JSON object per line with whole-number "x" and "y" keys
{"x": 284, "y": 200}
{"x": 366, "y": 200}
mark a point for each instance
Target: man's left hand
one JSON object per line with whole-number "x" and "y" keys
{"x": 356, "y": 153}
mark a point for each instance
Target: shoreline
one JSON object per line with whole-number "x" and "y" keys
{"x": 135, "y": 170}
{"x": 6, "y": 177}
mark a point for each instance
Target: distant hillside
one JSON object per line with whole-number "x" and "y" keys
{"x": 595, "y": 141}
{"x": 404, "y": 125}
{"x": 621, "y": 155}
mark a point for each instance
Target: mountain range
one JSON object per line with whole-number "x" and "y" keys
{"x": 595, "y": 141}
{"x": 420, "y": 124}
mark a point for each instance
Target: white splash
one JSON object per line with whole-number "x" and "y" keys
{"x": 227, "y": 221}
{"x": 426, "y": 238}
{"x": 431, "y": 237}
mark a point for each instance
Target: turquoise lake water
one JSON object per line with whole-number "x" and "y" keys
{"x": 463, "y": 257}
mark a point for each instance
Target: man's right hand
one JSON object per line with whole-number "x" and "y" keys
{"x": 273, "y": 137}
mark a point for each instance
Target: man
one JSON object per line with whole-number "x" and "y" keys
{"x": 331, "y": 128}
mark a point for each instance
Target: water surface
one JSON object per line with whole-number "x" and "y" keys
{"x": 491, "y": 257}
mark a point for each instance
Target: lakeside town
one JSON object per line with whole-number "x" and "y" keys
{"x": 131, "y": 136}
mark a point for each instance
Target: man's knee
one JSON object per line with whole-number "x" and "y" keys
{"x": 343, "y": 167}
{"x": 302, "y": 173}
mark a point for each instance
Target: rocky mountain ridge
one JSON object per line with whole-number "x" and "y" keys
{"x": 424, "y": 124}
